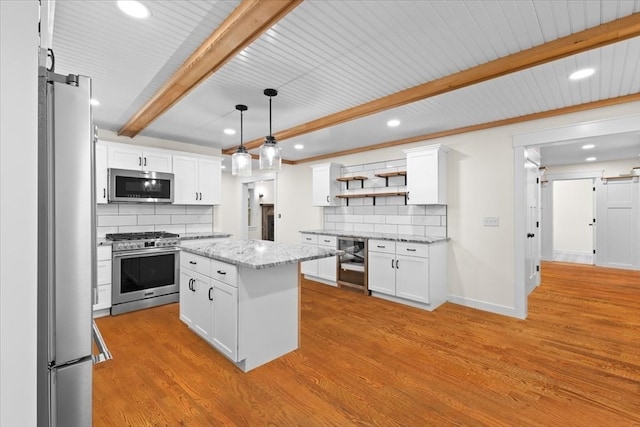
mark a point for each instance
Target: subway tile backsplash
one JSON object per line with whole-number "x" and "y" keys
{"x": 389, "y": 214}
{"x": 130, "y": 217}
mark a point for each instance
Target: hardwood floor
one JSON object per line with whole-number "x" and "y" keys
{"x": 363, "y": 361}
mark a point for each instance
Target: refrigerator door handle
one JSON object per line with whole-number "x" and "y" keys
{"x": 104, "y": 353}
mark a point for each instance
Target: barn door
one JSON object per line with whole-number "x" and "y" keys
{"x": 618, "y": 223}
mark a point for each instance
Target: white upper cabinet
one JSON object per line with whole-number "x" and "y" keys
{"x": 197, "y": 180}
{"x": 101, "y": 172}
{"x": 427, "y": 175}
{"x": 325, "y": 184}
{"x": 123, "y": 156}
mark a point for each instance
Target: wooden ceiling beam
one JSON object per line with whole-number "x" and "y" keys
{"x": 591, "y": 38}
{"x": 245, "y": 24}
{"x": 504, "y": 122}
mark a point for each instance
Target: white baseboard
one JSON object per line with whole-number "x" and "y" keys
{"x": 485, "y": 306}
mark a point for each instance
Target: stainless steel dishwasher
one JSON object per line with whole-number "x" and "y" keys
{"x": 352, "y": 264}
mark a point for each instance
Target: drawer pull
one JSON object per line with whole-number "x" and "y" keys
{"x": 380, "y": 246}
{"x": 327, "y": 241}
{"x": 411, "y": 250}
{"x": 221, "y": 272}
{"x": 192, "y": 262}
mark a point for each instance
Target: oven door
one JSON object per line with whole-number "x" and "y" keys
{"x": 145, "y": 273}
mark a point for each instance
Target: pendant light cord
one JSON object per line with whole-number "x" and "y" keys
{"x": 270, "y": 133}
{"x": 241, "y": 133}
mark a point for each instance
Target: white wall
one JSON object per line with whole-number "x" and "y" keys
{"x": 18, "y": 211}
{"x": 572, "y": 212}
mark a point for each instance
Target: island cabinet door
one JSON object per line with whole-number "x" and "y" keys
{"x": 224, "y": 329}
{"x": 204, "y": 306}
{"x": 187, "y": 297}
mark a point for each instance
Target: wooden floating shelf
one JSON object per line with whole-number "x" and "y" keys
{"x": 351, "y": 178}
{"x": 389, "y": 174}
{"x": 373, "y": 195}
{"x": 362, "y": 195}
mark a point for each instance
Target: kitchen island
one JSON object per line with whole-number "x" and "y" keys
{"x": 243, "y": 296}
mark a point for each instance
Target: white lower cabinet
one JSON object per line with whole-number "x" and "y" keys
{"x": 209, "y": 301}
{"x": 204, "y": 305}
{"x": 324, "y": 268}
{"x": 412, "y": 273}
{"x": 102, "y": 297}
{"x": 187, "y": 296}
{"x": 224, "y": 327}
{"x": 309, "y": 268}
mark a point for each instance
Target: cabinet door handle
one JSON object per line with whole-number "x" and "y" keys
{"x": 192, "y": 262}
{"x": 196, "y": 195}
{"x": 190, "y": 283}
{"x": 200, "y": 196}
{"x": 407, "y": 195}
{"x": 221, "y": 272}
{"x": 397, "y": 263}
{"x": 210, "y": 297}
{"x": 104, "y": 193}
{"x": 392, "y": 266}
{"x": 145, "y": 161}
{"x": 328, "y": 201}
{"x": 411, "y": 250}
{"x": 139, "y": 161}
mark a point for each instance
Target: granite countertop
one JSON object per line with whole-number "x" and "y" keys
{"x": 260, "y": 253}
{"x": 379, "y": 236}
{"x": 208, "y": 235}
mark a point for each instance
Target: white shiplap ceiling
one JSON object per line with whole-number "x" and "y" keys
{"x": 327, "y": 56}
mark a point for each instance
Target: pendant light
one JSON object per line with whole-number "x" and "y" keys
{"x": 270, "y": 158}
{"x": 241, "y": 160}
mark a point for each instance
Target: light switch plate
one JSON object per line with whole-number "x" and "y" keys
{"x": 491, "y": 221}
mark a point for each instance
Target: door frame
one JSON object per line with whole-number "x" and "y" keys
{"x": 244, "y": 184}
{"x": 536, "y": 139}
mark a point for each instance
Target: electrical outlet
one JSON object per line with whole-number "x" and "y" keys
{"x": 491, "y": 221}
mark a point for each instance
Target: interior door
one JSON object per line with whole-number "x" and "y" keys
{"x": 532, "y": 249}
{"x": 573, "y": 220}
{"x": 618, "y": 223}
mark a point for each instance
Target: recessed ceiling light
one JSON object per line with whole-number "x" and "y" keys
{"x": 581, "y": 74}
{"x": 298, "y": 146}
{"x": 393, "y": 123}
{"x": 95, "y": 102}
{"x": 588, "y": 146}
{"x": 590, "y": 159}
{"x": 229, "y": 132}
{"x": 134, "y": 8}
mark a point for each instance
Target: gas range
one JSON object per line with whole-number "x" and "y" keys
{"x": 143, "y": 240}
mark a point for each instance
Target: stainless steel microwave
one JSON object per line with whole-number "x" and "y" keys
{"x": 140, "y": 186}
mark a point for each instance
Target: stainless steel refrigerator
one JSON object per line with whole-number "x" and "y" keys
{"x": 66, "y": 250}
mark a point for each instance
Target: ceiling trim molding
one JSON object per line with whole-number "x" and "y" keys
{"x": 246, "y": 23}
{"x": 513, "y": 120}
{"x": 591, "y": 38}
